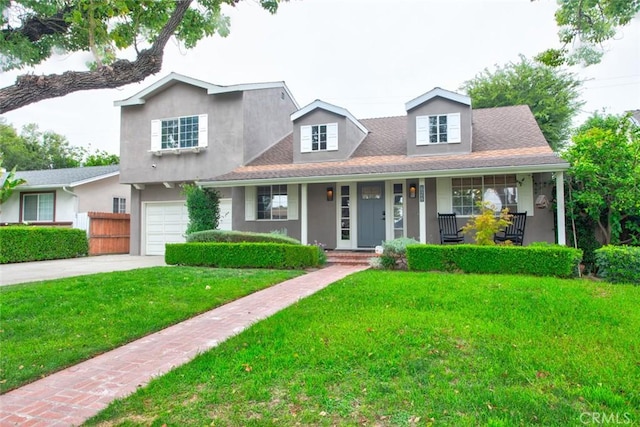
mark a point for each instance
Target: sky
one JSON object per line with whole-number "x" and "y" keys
{"x": 368, "y": 56}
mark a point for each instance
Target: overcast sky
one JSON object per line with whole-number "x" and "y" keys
{"x": 368, "y": 56}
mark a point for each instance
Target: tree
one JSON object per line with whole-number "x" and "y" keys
{"x": 31, "y": 31}
{"x": 551, "y": 93}
{"x": 604, "y": 177}
{"x": 9, "y": 183}
{"x": 584, "y": 26}
{"x": 203, "y": 205}
{"x": 34, "y": 150}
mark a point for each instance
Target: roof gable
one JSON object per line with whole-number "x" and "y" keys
{"x": 212, "y": 89}
{"x": 318, "y": 104}
{"x": 435, "y": 92}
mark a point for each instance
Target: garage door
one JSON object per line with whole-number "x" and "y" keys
{"x": 165, "y": 223}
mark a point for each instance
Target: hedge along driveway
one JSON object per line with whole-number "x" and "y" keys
{"x": 54, "y": 324}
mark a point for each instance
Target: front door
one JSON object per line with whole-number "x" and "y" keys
{"x": 371, "y": 214}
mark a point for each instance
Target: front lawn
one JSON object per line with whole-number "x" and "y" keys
{"x": 50, "y": 325}
{"x": 399, "y": 348}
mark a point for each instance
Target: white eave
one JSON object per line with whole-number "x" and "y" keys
{"x": 212, "y": 89}
{"x": 453, "y": 96}
{"x": 328, "y": 107}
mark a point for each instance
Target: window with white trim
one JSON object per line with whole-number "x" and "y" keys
{"x": 438, "y": 129}
{"x": 322, "y": 137}
{"x": 501, "y": 191}
{"x": 272, "y": 202}
{"x": 179, "y": 132}
{"x": 38, "y": 207}
{"x": 119, "y": 205}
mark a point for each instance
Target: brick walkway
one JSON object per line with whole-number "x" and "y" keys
{"x": 73, "y": 395}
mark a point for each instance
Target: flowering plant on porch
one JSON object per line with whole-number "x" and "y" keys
{"x": 322, "y": 255}
{"x": 487, "y": 223}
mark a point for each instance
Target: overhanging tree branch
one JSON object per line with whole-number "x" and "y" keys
{"x": 31, "y": 88}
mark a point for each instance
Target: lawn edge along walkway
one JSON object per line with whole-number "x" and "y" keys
{"x": 73, "y": 395}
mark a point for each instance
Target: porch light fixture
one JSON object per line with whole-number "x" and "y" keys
{"x": 412, "y": 191}
{"x": 329, "y": 194}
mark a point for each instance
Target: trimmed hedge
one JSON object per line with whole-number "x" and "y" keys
{"x": 32, "y": 243}
{"x": 241, "y": 255}
{"x": 239, "y": 236}
{"x": 619, "y": 264}
{"x": 559, "y": 261}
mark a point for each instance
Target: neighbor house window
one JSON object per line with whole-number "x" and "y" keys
{"x": 38, "y": 207}
{"x": 272, "y": 202}
{"x": 179, "y": 132}
{"x": 119, "y": 205}
{"x": 322, "y": 137}
{"x": 500, "y": 191}
{"x": 438, "y": 129}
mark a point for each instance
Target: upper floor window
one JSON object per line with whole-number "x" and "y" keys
{"x": 179, "y": 132}
{"x": 438, "y": 129}
{"x": 38, "y": 207}
{"x": 272, "y": 202}
{"x": 322, "y": 137}
{"x": 119, "y": 205}
{"x": 501, "y": 191}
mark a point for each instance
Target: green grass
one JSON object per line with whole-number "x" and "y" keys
{"x": 50, "y": 325}
{"x": 398, "y": 348}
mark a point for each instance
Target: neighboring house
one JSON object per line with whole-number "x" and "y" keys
{"x": 323, "y": 175}
{"x": 60, "y": 196}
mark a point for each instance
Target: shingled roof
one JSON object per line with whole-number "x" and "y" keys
{"x": 68, "y": 177}
{"x": 503, "y": 137}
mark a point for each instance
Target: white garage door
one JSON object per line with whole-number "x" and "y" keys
{"x": 165, "y": 223}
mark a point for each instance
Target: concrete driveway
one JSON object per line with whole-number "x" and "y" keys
{"x": 54, "y": 269}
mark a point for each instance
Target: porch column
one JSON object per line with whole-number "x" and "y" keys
{"x": 560, "y": 208}
{"x": 303, "y": 215}
{"x": 422, "y": 209}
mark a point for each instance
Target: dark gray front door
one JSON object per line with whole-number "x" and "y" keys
{"x": 371, "y": 215}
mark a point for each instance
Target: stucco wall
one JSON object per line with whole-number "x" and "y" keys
{"x": 225, "y": 131}
{"x": 322, "y": 221}
{"x": 437, "y": 106}
{"x": 98, "y": 196}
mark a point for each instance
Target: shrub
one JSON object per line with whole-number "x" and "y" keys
{"x": 322, "y": 255}
{"x": 241, "y": 255}
{"x": 29, "y": 243}
{"x": 239, "y": 236}
{"x": 394, "y": 253}
{"x": 486, "y": 225}
{"x": 203, "y": 205}
{"x": 559, "y": 261}
{"x": 619, "y": 264}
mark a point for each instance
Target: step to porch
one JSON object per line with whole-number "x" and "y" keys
{"x": 349, "y": 257}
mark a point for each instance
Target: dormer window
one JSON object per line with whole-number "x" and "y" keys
{"x": 322, "y": 137}
{"x": 188, "y": 132}
{"x": 438, "y": 129}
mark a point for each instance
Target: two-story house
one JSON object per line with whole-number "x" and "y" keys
{"x": 325, "y": 176}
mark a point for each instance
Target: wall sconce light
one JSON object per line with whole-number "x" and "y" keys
{"x": 412, "y": 191}
{"x": 329, "y": 194}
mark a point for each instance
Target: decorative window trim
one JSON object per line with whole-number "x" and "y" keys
{"x": 157, "y": 133}
{"x": 251, "y": 203}
{"x": 524, "y": 183}
{"x": 423, "y": 129}
{"x": 307, "y": 133}
{"x": 38, "y": 194}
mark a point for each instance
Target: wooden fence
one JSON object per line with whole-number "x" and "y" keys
{"x": 108, "y": 233}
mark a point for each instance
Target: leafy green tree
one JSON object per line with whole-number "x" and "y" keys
{"x": 604, "y": 176}
{"x": 31, "y": 31}
{"x": 584, "y": 26}
{"x": 551, "y": 93}
{"x": 101, "y": 158}
{"x": 203, "y": 205}
{"x": 9, "y": 183}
